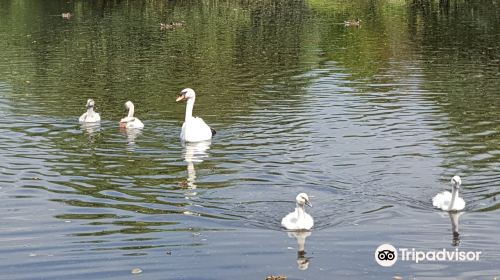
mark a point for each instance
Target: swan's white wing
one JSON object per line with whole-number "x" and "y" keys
{"x": 89, "y": 117}
{"x": 307, "y": 222}
{"x": 292, "y": 222}
{"x": 442, "y": 200}
{"x": 195, "y": 130}
{"x": 459, "y": 204}
{"x": 136, "y": 123}
{"x": 132, "y": 122}
{"x": 82, "y": 117}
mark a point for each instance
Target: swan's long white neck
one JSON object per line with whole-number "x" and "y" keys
{"x": 131, "y": 111}
{"x": 300, "y": 210}
{"x": 90, "y": 110}
{"x": 189, "y": 109}
{"x": 454, "y": 196}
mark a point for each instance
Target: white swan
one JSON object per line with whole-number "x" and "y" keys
{"x": 90, "y": 116}
{"x": 299, "y": 219}
{"x": 450, "y": 201}
{"x": 130, "y": 121}
{"x": 194, "y": 129}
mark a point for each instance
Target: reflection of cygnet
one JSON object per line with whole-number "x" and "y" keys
{"x": 302, "y": 260}
{"x": 299, "y": 219}
{"x": 454, "y": 218}
{"x": 91, "y": 128}
{"x": 131, "y": 135}
{"x": 450, "y": 201}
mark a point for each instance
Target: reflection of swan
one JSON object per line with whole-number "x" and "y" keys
{"x": 299, "y": 219}
{"x": 194, "y": 129}
{"x": 454, "y": 218}
{"x": 131, "y": 135}
{"x": 194, "y": 153}
{"x": 450, "y": 201}
{"x": 353, "y": 22}
{"x": 302, "y": 260}
{"x": 90, "y": 116}
{"x": 91, "y": 128}
{"x": 130, "y": 121}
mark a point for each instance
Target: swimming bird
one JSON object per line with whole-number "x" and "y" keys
{"x": 171, "y": 25}
{"x": 130, "y": 121}
{"x": 66, "y": 15}
{"x": 450, "y": 201}
{"x": 194, "y": 129}
{"x": 353, "y": 22}
{"x": 167, "y": 26}
{"x": 90, "y": 116}
{"x": 299, "y": 219}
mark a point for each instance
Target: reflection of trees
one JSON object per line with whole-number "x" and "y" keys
{"x": 463, "y": 56}
{"x": 451, "y": 42}
{"x": 114, "y": 50}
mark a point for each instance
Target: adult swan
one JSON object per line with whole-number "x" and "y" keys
{"x": 194, "y": 129}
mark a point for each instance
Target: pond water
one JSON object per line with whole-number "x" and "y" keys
{"x": 371, "y": 121}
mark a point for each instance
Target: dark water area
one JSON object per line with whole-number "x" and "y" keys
{"x": 371, "y": 121}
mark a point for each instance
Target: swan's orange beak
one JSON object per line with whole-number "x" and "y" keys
{"x": 180, "y": 98}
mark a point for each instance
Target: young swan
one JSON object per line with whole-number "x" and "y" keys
{"x": 299, "y": 219}
{"x": 450, "y": 201}
{"x": 130, "y": 121}
{"x": 90, "y": 116}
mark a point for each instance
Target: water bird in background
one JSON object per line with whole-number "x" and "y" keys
{"x": 66, "y": 15}
{"x": 353, "y": 22}
{"x": 130, "y": 121}
{"x": 450, "y": 201}
{"x": 171, "y": 25}
{"x": 194, "y": 129}
{"x": 299, "y": 219}
{"x": 90, "y": 116}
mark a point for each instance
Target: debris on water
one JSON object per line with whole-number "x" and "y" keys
{"x": 136, "y": 270}
{"x": 32, "y": 255}
{"x": 397, "y": 277}
{"x": 276, "y": 277}
{"x": 290, "y": 248}
{"x": 168, "y": 253}
{"x": 190, "y": 213}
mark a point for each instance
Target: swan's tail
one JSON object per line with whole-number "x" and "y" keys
{"x": 213, "y": 131}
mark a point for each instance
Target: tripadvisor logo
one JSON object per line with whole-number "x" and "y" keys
{"x": 387, "y": 255}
